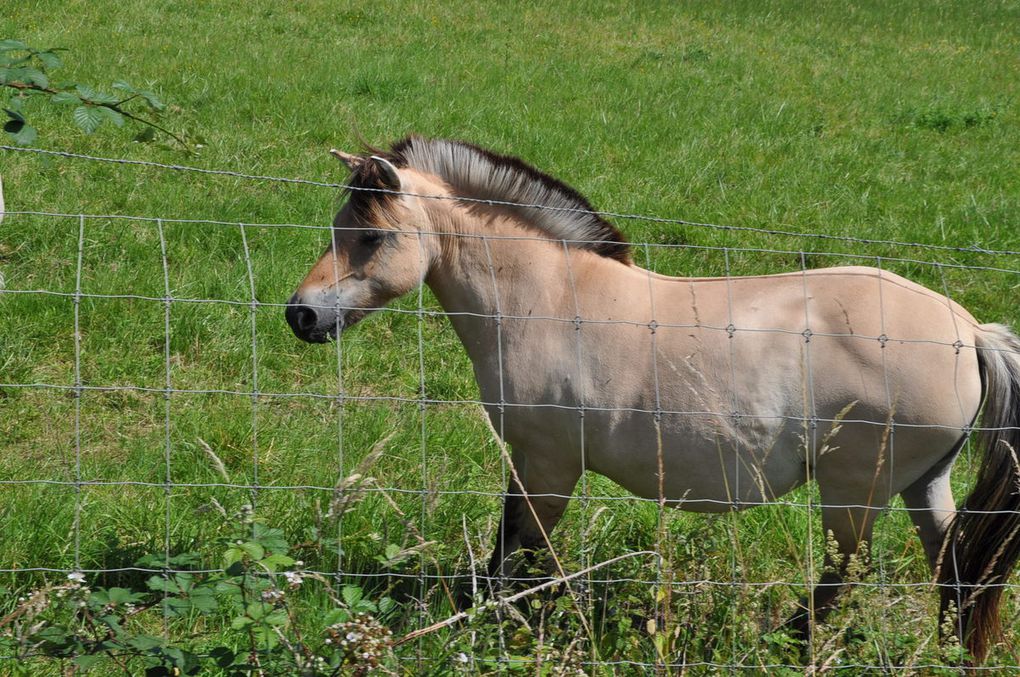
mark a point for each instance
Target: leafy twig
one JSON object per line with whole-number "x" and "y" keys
{"x": 24, "y": 69}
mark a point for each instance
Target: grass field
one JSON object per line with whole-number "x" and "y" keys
{"x": 886, "y": 121}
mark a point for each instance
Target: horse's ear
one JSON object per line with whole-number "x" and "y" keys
{"x": 389, "y": 178}
{"x": 352, "y": 162}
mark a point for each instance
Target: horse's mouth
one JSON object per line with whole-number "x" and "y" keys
{"x": 331, "y": 333}
{"x": 319, "y": 336}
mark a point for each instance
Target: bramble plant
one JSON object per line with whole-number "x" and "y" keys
{"x": 113, "y": 626}
{"x": 26, "y": 70}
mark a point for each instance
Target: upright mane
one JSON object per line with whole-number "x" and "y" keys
{"x": 477, "y": 173}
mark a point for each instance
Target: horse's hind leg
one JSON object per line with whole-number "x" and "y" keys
{"x": 544, "y": 494}
{"x": 931, "y": 505}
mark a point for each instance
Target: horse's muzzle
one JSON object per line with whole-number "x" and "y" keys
{"x": 309, "y": 324}
{"x": 303, "y": 321}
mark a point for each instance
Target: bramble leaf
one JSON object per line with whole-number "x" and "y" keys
{"x": 49, "y": 59}
{"x": 113, "y": 116}
{"x": 150, "y": 98}
{"x": 65, "y": 97}
{"x": 88, "y": 118}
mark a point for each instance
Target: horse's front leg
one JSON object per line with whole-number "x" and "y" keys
{"x": 531, "y": 509}
{"x": 851, "y": 527}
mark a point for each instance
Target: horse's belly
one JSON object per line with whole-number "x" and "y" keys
{"x": 704, "y": 468}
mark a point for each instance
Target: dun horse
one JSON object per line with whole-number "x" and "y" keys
{"x": 708, "y": 392}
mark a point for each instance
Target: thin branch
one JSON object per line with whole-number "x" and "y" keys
{"x": 31, "y": 87}
{"x": 505, "y": 601}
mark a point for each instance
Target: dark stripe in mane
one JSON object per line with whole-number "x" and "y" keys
{"x": 475, "y": 172}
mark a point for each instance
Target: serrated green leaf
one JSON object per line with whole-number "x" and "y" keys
{"x": 124, "y": 87}
{"x": 257, "y": 610}
{"x": 334, "y": 616}
{"x": 85, "y": 92}
{"x": 144, "y": 642}
{"x": 203, "y": 601}
{"x": 254, "y": 550}
{"x": 154, "y": 101}
{"x": 352, "y": 594}
{"x": 49, "y": 59}
{"x": 94, "y": 96}
{"x": 8, "y": 45}
{"x": 113, "y": 622}
{"x": 10, "y": 75}
{"x": 124, "y": 596}
{"x": 52, "y": 633}
{"x": 274, "y": 563}
{"x": 270, "y": 538}
{"x": 65, "y": 97}
{"x": 231, "y": 556}
{"x": 146, "y": 135}
{"x": 88, "y": 118}
{"x": 277, "y": 618}
{"x": 161, "y": 584}
{"x": 87, "y": 661}
{"x": 241, "y": 622}
{"x": 113, "y": 116}
{"x": 175, "y": 607}
{"x": 33, "y": 76}
{"x": 266, "y": 636}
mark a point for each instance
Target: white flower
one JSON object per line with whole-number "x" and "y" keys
{"x": 272, "y": 595}
{"x": 76, "y": 577}
{"x": 293, "y": 578}
{"x": 462, "y": 657}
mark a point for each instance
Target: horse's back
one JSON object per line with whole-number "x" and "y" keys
{"x": 750, "y": 375}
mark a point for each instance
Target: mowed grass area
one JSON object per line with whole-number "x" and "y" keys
{"x": 872, "y": 121}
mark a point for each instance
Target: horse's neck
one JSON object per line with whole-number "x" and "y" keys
{"x": 504, "y": 274}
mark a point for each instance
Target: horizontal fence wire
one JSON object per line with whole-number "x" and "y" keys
{"x": 260, "y": 486}
{"x": 972, "y": 248}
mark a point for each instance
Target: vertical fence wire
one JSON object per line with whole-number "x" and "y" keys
{"x": 734, "y": 418}
{"x": 341, "y": 407}
{"x": 253, "y": 315}
{"x": 78, "y": 395}
{"x": 423, "y": 588}
{"x": 811, "y": 454}
{"x": 663, "y": 598}
{"x": 167, "y": 423}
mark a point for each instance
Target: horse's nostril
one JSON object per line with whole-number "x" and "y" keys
{"x": 306, "y": 318}
{"x": 302, "y": 319}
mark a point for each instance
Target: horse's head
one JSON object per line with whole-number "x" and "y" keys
{"x": 377, "y": 252}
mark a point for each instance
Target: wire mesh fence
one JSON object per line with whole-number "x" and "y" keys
{"x": 156, "y": 403}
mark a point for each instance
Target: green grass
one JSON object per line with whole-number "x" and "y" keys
{"x": 876, "y": 120}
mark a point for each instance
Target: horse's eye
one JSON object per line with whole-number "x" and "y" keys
{"x": 371, "y": 238}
